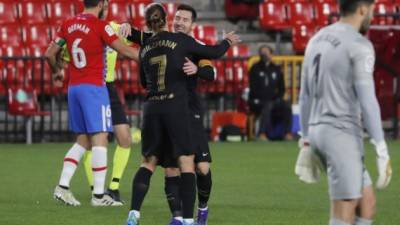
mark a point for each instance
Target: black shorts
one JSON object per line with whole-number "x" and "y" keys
{"x": 200, "y": 140}
{"x": 166, "y": 136}
{"x": 118, "y": 115}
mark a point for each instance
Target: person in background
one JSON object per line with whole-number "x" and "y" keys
{"x": 267, "y": 88}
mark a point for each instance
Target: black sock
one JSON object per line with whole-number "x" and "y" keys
{"x": 172, "y": 185}
{"x": 140, "y": 186}
{"x": 204, "y": 183}
{"x": 188, "y": 194}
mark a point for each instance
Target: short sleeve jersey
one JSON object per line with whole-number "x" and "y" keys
{"x": 87, "y": 38}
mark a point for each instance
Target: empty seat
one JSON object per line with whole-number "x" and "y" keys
{"x": 206, "y": 33}
{"x": 301, "y": 34}
{"x": 273, "y": 16}
{"x": 8, "y": 12}
{"x": 383, "y": 14}
{"x": 138, "y": 10}
{"x": 36, "y": 35}
{"x": 10, "y": 35}
{"x": 244, "y": 11}
{"x": 326, "y": 12}
{"x": 59, "y": 11}
{"x": 31, "y": 12}
{"x": 119, "y": 11}
{"x": 300, "y": 13}
{"x": 241, "y": 50}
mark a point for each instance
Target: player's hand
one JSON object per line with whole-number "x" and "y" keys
{"x": 189, "y": 67}
{"x": 125, "y": 30}
{"x": 232, "y": 37}
{"x": 58, "y": 78}
{"x": 308, "y": 165}
{"x": 383, "y": 164}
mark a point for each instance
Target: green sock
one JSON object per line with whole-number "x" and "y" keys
{"x": 87, "y": 162}
{"x": 121, "y": 157}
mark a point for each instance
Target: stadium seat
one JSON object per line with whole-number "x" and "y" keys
{"x": 236, "y": 11}
{"x": 300, "y": 13}
{"x": 273, "y": 16}
{"x": 137, "y": 9}
{"x": 219, "y": 119}
{"x": 60, "y": 10}
{"x": 13, "y": 51}
{"x": 301, "y": 34}
{"x": 10, "y": 35}
{"x": 8, "y": 12}
{"x": 171, "y": 9}
{"x": 241, "y": 50}
{"x": 325, "y": 11}
{"x": 32, "y": 12}
{"x": 36, "y": 35}
{"x": 384, "y": 83}
{"x": 127, "y": 76}
{"x": 379, "y": 37}
{"x": 384, "y": 14}
{"x": 119, "y": 11}
{"x": 23, "y": 102}
{"x": 206, "y": 33}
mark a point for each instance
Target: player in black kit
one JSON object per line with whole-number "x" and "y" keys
{"x": 166, "y": 111}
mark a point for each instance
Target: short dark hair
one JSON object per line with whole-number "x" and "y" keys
{"x": 265, "y": 46}
{"x": 189, "y": 8}
{"x": 91, "y": 3}
{"x": 348, "y": 7}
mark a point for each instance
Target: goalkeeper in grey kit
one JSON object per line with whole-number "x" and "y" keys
{"x": 337, "y": 101}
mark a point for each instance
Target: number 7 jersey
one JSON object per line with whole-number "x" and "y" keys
{"x": 336, "y": 58}
{"x": 86, "y": 37}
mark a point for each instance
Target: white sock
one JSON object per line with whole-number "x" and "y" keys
{"x": 179, "y": 218}
{"x": 363, "y": 221}
{"x": 335, "y": 221}
{"x": 99, "y": 167}
{"x": 71, "y": 161}
{"x": 203, "y": 209}
{"x": 135, "y": 213}
{"x": 188, "y": 221}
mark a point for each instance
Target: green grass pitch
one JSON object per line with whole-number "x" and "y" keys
{"x": 254, "y": 184}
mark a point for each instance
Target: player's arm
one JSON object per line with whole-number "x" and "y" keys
{"x": 204, "y": 69}
{"x": 125, "y": 50}
{"x": 304, "y": 101}
{"x": 363, "y": 59}
{"x": 109, "y": 37}
{"x": 207, "y": 51}
{"x": 134, "y": 35}
{"x": 51, "y": 55}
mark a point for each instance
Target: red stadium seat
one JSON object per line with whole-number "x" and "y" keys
{"x": 31, "y": 12}
{"x": 171, "y": 9}
{"x": 127, "y": 76}
{"x": 8, "y": 12}
{"x": 13, "y": 51}
{"x": 10, "y": 35}
{"x": 242, "y": 11}
{"x": 324, "y": 12}
{"x": 384, "y": 84}
{"x": 35, "y": 51}
{"x": 206, "y": 33}
{"x": 384, "y": 14}
{"x": 238, "y": 51}
{"x": 301, "y": 34}
{"x": 273, "y": 16}
{"x": 59, "y": 11}
{"x": 138, "y": 10}
{"x": 219, "y": 119}
{"x": 36, "y": 35}
{"x": 119, "y": 11}
{"x": 380, "y": 36}
{"x": 300, "y": 13}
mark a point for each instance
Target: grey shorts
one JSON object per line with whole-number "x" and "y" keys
{"x": 343, "y": 156}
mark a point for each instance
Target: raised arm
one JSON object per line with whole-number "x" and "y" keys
{"x": 210, "y": 52}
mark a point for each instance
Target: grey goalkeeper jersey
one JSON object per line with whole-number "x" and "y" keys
{"x": 338, "y": 69}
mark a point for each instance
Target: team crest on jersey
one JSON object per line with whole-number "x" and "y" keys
{"x": 109, "y": 30}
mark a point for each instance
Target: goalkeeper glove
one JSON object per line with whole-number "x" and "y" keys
{"x": 308, "y": 164}
{"x": 383, "y": 164}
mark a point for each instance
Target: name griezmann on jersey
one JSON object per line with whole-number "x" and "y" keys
{"x": 161, "y": 43}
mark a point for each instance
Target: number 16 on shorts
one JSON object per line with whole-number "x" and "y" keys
{"x": 106, "y": 117}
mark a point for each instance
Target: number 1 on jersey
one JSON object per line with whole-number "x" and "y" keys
{"x": 316, "y": 63}
{"x": 161, "y": 61}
